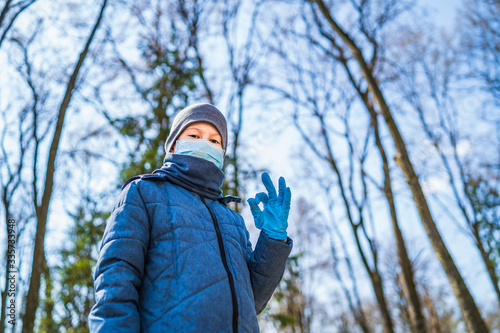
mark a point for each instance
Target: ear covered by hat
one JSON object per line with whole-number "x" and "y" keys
{"x": 195, "y": 113}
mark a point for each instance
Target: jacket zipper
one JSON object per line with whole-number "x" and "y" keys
{"x": 224, "y": 262}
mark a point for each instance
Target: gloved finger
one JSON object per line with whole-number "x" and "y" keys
{"x": 268, "y": 184}
{"x": 254, "y": 207}
{"x": 261, "y": 197}
{"x": 287, "y": 198}
{"x": 281, "y": 190}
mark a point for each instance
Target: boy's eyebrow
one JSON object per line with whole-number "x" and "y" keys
{"x": 197, "y": 129}
{"x": 192, "y": 128}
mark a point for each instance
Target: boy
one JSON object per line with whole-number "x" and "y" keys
{"x": 173, "y": 257}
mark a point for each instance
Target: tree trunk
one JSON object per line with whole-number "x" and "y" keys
{"x": 417, "y": 319}
{"x": 472, "y": 317}
{"x": 32, "y": 299}
{"x": 435, "y": 326}
{"x": 379, "y": 294}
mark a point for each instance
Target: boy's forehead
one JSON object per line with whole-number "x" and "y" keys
{"x": 202, "y": 125}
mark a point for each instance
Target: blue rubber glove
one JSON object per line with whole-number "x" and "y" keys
{"x": 273, "y": 220}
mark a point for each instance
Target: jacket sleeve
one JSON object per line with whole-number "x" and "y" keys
{"x": 266, "y": 266}
{"x": 120, "y": 267}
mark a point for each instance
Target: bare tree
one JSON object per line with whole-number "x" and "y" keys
{"x": 42, "y": 207}
{"x": 311, "y": 101}
{"x": 408, "y": 282}
{"x": 319, "y": 105}
{"x": 428, "y": 87}
{"x": 472, "y": 317}
{"x": 13, "y": 167}
{"x": 410, "y": 291}
{"x": 355, "y": 211}
{"x": 10, "y": 179}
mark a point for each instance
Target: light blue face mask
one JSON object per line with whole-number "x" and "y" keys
{"x": 201, "y": 148}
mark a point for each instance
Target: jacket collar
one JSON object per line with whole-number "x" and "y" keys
{"x": 193, "y": 174}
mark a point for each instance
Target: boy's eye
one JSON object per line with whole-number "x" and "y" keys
{"x": 214, "y": 141}
{"x": 193, "y": 136}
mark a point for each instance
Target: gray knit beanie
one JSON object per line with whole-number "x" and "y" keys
{"x": 195, "y": 113}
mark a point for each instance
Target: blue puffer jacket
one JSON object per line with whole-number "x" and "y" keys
{"x": 174, "y": 258}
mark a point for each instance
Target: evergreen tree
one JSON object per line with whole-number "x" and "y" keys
{"x": 75, "y": 272}
{"x": 174, "y": 74}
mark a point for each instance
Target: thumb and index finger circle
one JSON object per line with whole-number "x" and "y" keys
{"x": 254, "y": 202}
{"x": 261, "y": 197}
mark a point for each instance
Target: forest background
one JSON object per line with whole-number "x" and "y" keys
{"x": 382, "y": 115}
